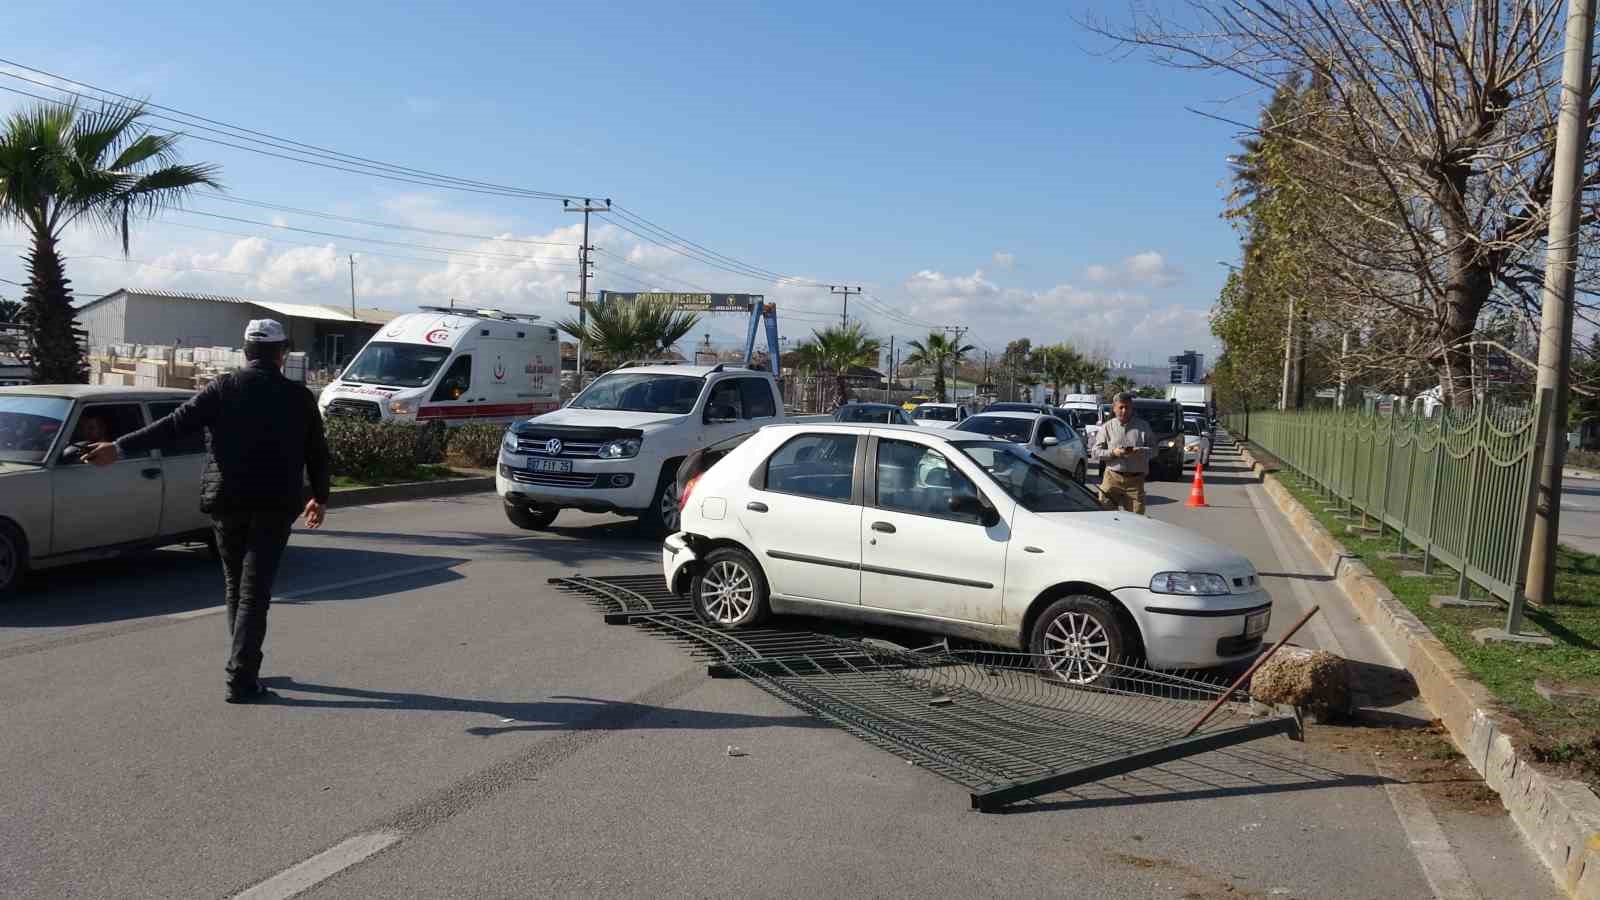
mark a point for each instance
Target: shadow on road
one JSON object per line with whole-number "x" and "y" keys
{"x": 607, "y": 541}
{"x": 176, "y": 580}
{"x": 559, "y": 713}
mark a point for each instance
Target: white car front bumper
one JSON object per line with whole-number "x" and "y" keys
{"x": 1198, "y": 632}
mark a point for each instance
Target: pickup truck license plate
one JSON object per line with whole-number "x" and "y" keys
{"x": 1256, "y": 623}
{"x": 560, "y": 466}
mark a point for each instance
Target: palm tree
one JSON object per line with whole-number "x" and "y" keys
{"x": 622, "y": 330}
{"x": 1123, "y": 384}
{"x": 938, "y": 351}
{"x": 1061, "y": 363}
{"x": 838, "y": 349}
{"x": 59, "y": 164}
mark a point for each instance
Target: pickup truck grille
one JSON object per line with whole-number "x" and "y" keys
{"x": 553, "y": 479}
{"x": 356, "y": 409}
{"x": 538, "y": 445}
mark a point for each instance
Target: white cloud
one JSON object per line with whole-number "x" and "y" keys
{"x": 1004, "y": 260}
{"x": 1147, "y": 269}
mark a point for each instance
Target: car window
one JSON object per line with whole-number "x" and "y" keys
{"x": 813, "y": 465}
{"x": 28, "y": 425}
{"x": 915, "y": 479}
{"x": 936, "y": 414}
{"x": 869, "y": 414}
{"x": 101, "y": 422}
{"x": 726, "y": 393}
{"x": 1035, "y": 486}
{"x": 456, "y": 381}
{"x": 1062, "y": 432}
{"x": 757, "y": 398}
{"x": 1005, "y": 427}
{"x": 186, "y": 445}
{"x": 640, "y": 392}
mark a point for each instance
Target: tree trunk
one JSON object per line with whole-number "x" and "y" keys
{"x": 55, "y": 352}
{"x": 938, "y": 382}
{"x": 1465, "y": 295}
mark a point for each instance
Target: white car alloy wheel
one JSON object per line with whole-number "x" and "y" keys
{"x": 1076, "y": 647}
{"x": 727, "y": 592}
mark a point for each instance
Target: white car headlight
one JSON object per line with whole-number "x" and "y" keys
{"x": 403, "y": 407}
{"x": 509, "y": 442}
{"x": 622, "y": 448}
{"x": 1194, "y": 584}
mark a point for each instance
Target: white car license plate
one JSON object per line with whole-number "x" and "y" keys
{"x": 561, "y": 466}
{"x": 1256, "y": 623}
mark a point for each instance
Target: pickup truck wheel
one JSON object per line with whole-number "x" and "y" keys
{"x": 729, "y": 591}
{"x": 13, "y": 558}
{"x": 661, "y": 519}
{"x": 531, "y": 518}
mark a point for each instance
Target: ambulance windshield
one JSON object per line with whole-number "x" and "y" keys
{"x": 396, "y": 365}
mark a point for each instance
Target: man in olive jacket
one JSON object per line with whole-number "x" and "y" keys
{"x": 265, "y": 435}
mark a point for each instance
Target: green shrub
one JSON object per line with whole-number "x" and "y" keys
{"x": 1583, "y": 459}
{"x": 475, "y": 445}
{"x": 378, "y": 451}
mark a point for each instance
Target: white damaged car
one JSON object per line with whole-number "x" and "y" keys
{"x": 954, "y": 533}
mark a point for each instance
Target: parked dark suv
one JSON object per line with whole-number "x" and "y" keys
{"x": 1166, "y": 435}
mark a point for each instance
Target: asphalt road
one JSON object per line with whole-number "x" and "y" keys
{"x": 1580, "y": 513}
{"x": 448, "y": 726}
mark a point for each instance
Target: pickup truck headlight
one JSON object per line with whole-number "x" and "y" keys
{"x": 1193, "y": 584}
{"x": 623, "y": 448}
{"x": 509, "y": 442}
{"x": 403, "y": 407}
{"x": 1169, "y": 444}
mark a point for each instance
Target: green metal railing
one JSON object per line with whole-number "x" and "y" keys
{"x": 1457, "y": 488}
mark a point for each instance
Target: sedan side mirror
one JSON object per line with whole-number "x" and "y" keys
{"x": 1051, "y": 441}
{"x": 969, "y": 505}
{"x": 721, "y": 414}
{"x": 72, "y": 454}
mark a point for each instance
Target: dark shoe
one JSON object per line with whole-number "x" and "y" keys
{"x": 248, "y": 693}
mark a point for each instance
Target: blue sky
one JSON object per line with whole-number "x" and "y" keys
{"x": 993, "y": 168}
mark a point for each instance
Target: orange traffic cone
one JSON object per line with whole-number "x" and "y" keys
{"x": 1197, "y": 491}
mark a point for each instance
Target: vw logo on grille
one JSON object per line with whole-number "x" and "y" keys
{"x": 553, "y": 446}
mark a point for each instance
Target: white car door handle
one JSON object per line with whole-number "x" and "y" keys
{"x": 884, "y": 527}
{"x": 756, "y": 506}
{"x": 1032, "y": 549}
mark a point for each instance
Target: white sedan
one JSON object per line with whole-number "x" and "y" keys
{"x": 1196, "y": 443}
{"x": 950, "y": 532}
{"x": 1046, "y": 437}
{"x": 56, "y": 510}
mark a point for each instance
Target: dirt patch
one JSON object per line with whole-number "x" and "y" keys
{"x": 1575, "y": 755}
{"x": 1194, "y": 882}
{"x": 1419, "y": 756}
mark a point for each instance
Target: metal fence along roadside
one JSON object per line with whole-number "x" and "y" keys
{"x": 1458, "y": 487}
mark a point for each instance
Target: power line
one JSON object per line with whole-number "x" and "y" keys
{"x": 239, "y": 132}
{"x": 381, "y": 224}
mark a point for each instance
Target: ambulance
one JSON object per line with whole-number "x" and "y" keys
{"x": 451, "y": 367}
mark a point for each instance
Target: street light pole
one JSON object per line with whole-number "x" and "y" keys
{"x": 1555, "y": 315}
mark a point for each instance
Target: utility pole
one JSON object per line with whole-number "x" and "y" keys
{"x": 955, "y": 370}
{"x": 845, "y": 292}
{"x": 352, "y": 285}
{"x": 1555, "y": 315}
{"x": 891, "y": 362}
{"x": 583, "y": 274}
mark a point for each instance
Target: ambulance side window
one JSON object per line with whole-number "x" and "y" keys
{"x": 456, "y": 382}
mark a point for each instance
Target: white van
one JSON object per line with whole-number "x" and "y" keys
{"x": 449, "y": 366}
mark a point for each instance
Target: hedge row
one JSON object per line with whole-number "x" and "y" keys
{"x": 379, "y": 451}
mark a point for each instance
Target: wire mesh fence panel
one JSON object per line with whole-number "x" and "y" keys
{"x": 1454, "y": 486}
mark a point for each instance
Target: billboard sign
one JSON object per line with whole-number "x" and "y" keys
{"x": 693, "y": 302}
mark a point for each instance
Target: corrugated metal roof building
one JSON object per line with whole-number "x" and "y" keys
{"x": 328, "y": 334}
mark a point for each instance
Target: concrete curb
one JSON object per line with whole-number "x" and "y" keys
{"x": 1559, "y": 817}
{"x": 413, "y": 490}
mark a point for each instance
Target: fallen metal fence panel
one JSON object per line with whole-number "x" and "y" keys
{"x": 996, "y": 722}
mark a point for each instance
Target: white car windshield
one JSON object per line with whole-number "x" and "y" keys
{"x": 29, "y": 425}
{"x": 1003, "y": 427}
{"x": 639, "y": 392}
{"x": 935, "y": 413}
{"x": 396, "y": 365}
{"x": 1035, "y": 486}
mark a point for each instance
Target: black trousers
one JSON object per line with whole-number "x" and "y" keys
{"x": 251, "y": 546}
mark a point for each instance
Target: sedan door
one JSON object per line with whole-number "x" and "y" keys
{"x": 182, "y": 466}
{"x": 803, "y": 515}
{"x": 919, "y": 557}
{"x": 117, "y": 504}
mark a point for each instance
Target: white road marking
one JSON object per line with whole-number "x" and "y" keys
{"x": 321, "y": 588}
{"x": 330, "y": 862}
{"x": 1440, "y": 865}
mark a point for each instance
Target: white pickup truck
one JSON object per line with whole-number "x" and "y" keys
{"x": 617, "y": 446}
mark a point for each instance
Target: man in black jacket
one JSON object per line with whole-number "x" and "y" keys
{"x": 265, "y": 434}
